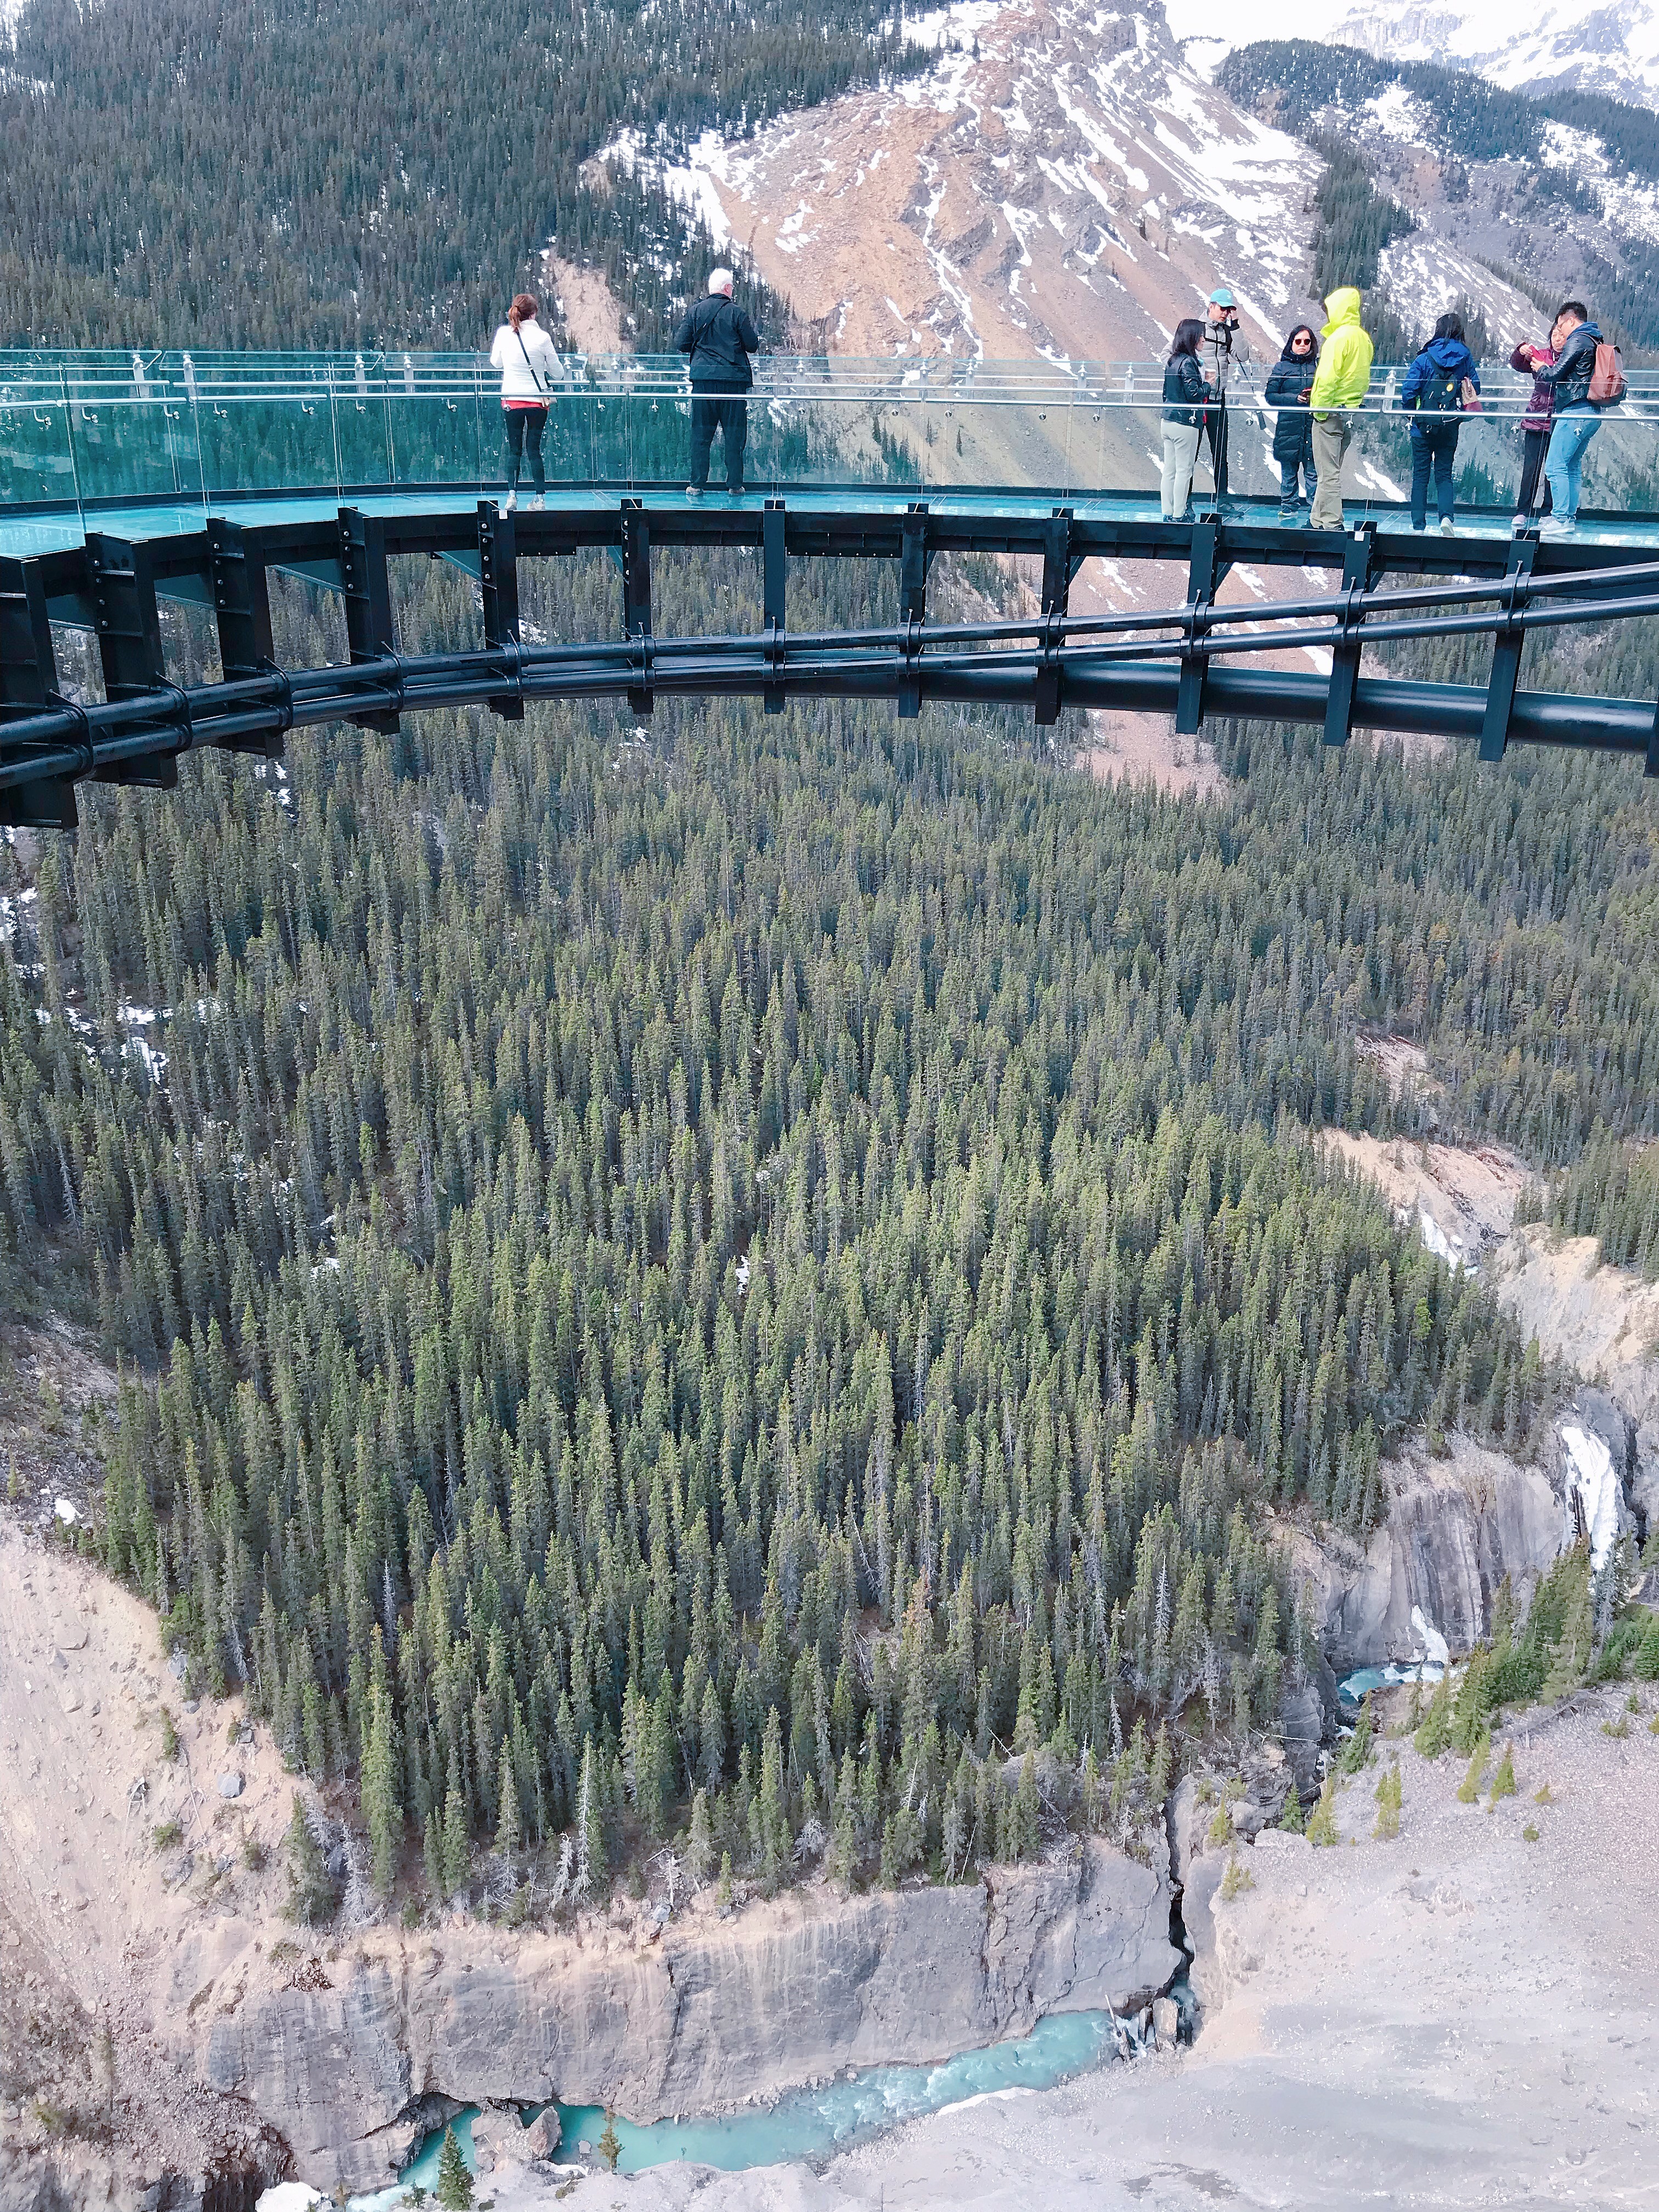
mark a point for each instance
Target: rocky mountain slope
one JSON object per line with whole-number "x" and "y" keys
{"x": 1581, "y": 43}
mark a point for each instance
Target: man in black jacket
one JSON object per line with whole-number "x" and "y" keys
{"x": 720, "y": 339}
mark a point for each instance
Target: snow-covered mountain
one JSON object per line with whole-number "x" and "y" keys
{"x": 1583, "y": 43}
{"x": 1059, "y": 184}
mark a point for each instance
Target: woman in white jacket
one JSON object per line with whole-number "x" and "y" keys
{"x": 528, "y": 362}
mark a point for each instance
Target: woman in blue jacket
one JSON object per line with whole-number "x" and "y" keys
{"x": 1434, "y": 394}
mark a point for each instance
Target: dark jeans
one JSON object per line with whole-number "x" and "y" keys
{"x": 1216, "y": 427}
{"x": 719, "y": 410}
{"x": 1537, "y": 444}
{"x": 1289, "y": 472}
{"x": 1435, "y": 449}
{"x": 521, "y": 420}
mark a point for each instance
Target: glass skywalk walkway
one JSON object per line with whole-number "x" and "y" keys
{"x": 144, "y": 446}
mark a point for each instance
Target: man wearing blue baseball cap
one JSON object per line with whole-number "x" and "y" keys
{"x": 1221, "y": 335}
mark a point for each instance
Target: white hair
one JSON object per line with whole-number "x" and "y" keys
{"x": 720, "y": 280}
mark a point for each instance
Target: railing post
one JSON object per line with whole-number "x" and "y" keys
{"x": 123, "y": 592}
{"x": 637, "y": 597}
{"x": 28, "y": 684}
{"x": 1507, "y": 642}
{"x": 774, "y": 567}
{"x": 498, "y": 580}
{"x": 1357, "y": 559}
{"x": 367, "y": 602}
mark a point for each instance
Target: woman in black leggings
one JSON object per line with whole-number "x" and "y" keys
{"x": 528, "y": 362}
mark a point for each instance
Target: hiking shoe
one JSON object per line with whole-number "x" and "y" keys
{"x": 512, "y": 501}
{"x": 1446, "y": 530}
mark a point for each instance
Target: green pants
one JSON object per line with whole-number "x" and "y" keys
{"x": 1332, "y": 437}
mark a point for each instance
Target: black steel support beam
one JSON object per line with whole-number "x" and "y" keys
{"x": 1057, "y": 574}
{"x": 914, "y": 560}
{"x": 28, "y": 684}
{"x": 241, "y": 603}
{"x": 123, "y": 592}
{"x": 636, "y": 599}
{"x": 367, "y": 602}
{"x": 775, "y": 566}
{"x": 498, "y": 580}
{"x": 1201, "y": 580}
{"x": 1507, "y": 644}
{"x": 1356, "y": 575}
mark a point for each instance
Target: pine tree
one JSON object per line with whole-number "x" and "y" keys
{"x": 1435, "y": 1735}
{"x": 700, "y": 1843}
{"x": 1026, "y": 1831}
{"x": 610, "y": 2143}
{"x": 1389, "y": 1797}
{"x": 1321, "y": 1822}
{"x": 1468, "y": 1790}
{"x": 507, "y": 1836}
{"x": 455, "y": 2190}
{"x": 311, "y": 1895}
{"x": 1504, "y": 1781}
{"x": 1357, "y": 1752}
{"x": 1290, "y": 1818}
{"x": 381, "y": 1811}
{"x": 456, "y": 1861}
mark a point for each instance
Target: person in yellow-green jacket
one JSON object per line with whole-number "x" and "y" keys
{"x": 1343, "y": 380}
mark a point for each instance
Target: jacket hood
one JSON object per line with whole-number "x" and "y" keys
{"x": 1446, "y": 353}
{"x": 1342, "y": 307}
{"x": 1291, "y": 336}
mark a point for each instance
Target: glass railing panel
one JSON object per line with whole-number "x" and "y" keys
{"x": 271, "y": 429}
{"x": 131, "y": 436}
{"x": 37, "y": 465}
{"x": 441, "y": 437}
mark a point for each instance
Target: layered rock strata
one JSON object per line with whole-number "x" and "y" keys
{"x": 706, "y": 2017}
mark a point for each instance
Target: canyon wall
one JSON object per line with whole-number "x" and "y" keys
{"x": 708, "y": 2015}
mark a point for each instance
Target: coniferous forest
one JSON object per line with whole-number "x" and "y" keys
{"x": 754, "y": 1281}
{"x": 281, "y": 173}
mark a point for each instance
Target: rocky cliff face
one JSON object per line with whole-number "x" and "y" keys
{"x": 718, "y": 2013}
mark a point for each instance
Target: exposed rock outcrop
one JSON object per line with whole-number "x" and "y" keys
{"x": 716, "y": 2014}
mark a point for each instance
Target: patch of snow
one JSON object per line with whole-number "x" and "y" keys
{"x": 1436, "y": 1650}
{"x": 1596, "y": 1487}
{"x": 66, "y": 1510}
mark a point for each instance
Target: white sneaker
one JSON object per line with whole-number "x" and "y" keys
{"x": 1517, "y": 525}
{"x": 510, "y": 502}
{"x": 693, "y": 491}
{"x": 1446, "y": 530}
{"x": 1557, "y": 527}
{"x": 537, "y": 504}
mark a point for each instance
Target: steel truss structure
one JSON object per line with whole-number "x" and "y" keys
{"x": 1191, "y": 661}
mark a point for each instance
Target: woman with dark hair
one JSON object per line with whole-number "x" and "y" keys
{"x": 529, "y": 362}
{"x": 1440, "y": 384}
{"x": 1289, "y": 382}
{"x": 1185, "y": 391}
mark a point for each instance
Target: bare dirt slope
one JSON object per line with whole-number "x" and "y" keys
{"x": 1459, "y": 2017}
{"x": 1460, "y": 1199}
{"x": 96, "y": 1886}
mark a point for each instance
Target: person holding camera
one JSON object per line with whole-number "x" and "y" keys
{"x": 1224, "y": 345}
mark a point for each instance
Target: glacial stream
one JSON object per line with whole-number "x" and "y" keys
{"x": 812, "y": 2123}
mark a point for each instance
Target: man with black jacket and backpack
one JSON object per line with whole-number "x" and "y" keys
{"x": 720, "y": 339}
{"x": 1581, "y": 389}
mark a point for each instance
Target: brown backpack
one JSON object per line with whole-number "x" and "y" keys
{"x": 1607, "y": 384}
